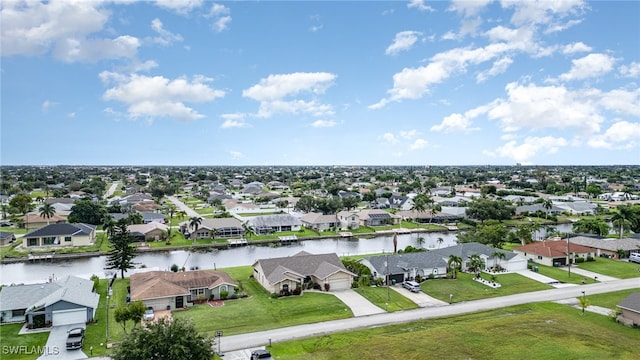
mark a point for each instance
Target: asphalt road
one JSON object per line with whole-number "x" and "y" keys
{"x": 262, "y": 338}
{"x": 182, "y": 206}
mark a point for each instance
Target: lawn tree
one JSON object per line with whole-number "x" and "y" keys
{"x": 625, "y": 218}
{"x": 547, "y": 205}
{"x": 439, "y": 241}
{"x": 165, "y": 340}
{"x": 475, "y": 264}
{"x": 487, "y": 209}
{"x": 108, "y": 225}
{"x": 453, "y": 265}
{"x": 591, "y": 226}
{"x": 494, "y": 235}
{"x": 132, "y": 312}
{"x": 21, "y": 202}
{"x": 122, "y": 253}
{"x": 498, "y": 256}
{"x": 194, "y": 223}
{"x": 86, "y": 211}
{"x": 47, "y": 211}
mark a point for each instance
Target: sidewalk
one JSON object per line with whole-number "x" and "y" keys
{"x": 589, "y": 274}
{"x": 543, "y": 279}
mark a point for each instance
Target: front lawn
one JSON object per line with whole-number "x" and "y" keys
{"x": 377, "y": 295}
{"x": 615, "y": 268}
{"x": 97, "y": 332}
{"x": 19, "y": 347}
{"x": 609, "y": 300}
{"x": 464, "y": 288}
{"x": 532, "y": 331}
{"x": 259, "y": 311}
{"x": 563, "y": 275}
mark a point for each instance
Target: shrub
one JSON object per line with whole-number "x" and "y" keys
{"x": 297, "y": 291}
{"x": 590, "y": 258}
{"x": 175, "y": 268}
{"x": 418, "y": 278}
{"x": 224, "y": 294}
{"x": 274, "y": 295}
{"x": 327, "y": 287}
{"x": 579, "y": 260}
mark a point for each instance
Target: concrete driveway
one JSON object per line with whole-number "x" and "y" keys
{"x": 358, "y": 304}
{"x": 56, "y": 347}
{"x": 420, "y": 298}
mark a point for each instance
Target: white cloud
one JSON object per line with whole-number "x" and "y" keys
{"x": 179, "y": 6}
{"x": 47, "y": 104}
{"x": 235, "y": 120}
{"x": 64, "y": 27}
{"x": 454, "y": 123}
{"x": 468, "y": 8}
{"x": 166, "y": 37}
{"x": 274, "y": 91}
{"x": 592, "y": 65}
{"x": 620, "y": 101}
{"x": 408, "y": 134}
{"x": 323, "y": 123}
{"x": 418, "y": 144}
{"x": 315, "y": 28}
{"x": 403, "y": 41}
{"x": 528, "y": 149}
{"x": 236, "y": 155}
{"x": 632, "y": 70}
{"x": 542, "y": 12}
{"x": 389, "y": 138}
{"x": 499, "y": 67}
{"x": 621, "y": 135}
{"x": 419, "y": 5}
{"x": 576, "y": 48}
{"x": 157, "y": 96}
{"x": 221, "y": 16}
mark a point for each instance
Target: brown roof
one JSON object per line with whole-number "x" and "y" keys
{"x": 552, "y": 249}
{"x": 159, "y": 284}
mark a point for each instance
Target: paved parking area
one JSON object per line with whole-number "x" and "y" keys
{"x": 56, "y": 347}
{"x": 420, "y": 298}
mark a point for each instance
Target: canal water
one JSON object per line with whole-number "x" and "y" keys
{"x": 33, "y": 272}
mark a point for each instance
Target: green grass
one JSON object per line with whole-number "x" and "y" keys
{"x": 96, "y": 332}
{"x": 563, "y": 275}
{"x": 464, "y": 288}
{"x": 378, "y": 297}
{"x": 10, "y": 338}
{"x": 615, "y": 268}
{"x": 101, "y": 244}
{"x": 533, "y": 331}
{"x": 259, "y": 311}
{"x": 609, "y": 300}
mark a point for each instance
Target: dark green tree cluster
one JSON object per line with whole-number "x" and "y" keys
{"x": 88, "y": 212}
{"x": 165, "y": 340}
{"x": 131, "y": 313}
{"x": 122, "y": 253}
{"x": 487, "y": 209}
{"x": 326, "y": 205}
{"x": 495, "y": 235}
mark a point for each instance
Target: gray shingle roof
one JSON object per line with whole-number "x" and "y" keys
{"x": 399, "y": 263}
{"x": 275, "y": 220}
{"x": 70, "y": 289}
{"x": 465, "y": 250}
{"x": 303, "y": 264}
{"x": 626, "y": 244}
{"x": 62, "y": 229}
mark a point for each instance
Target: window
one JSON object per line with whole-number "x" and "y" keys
{"x": 285, "y": 287}
{"x": 49, "y": 240}
{"x": 19, "y": 312}
{"x": 67, "y": 238}
{"x": 32, "y": 242}
{"x": 200, "y": 291}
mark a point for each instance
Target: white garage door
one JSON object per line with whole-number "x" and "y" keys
{"x": 340, "y": 284}
{"x": 68, "y": 317}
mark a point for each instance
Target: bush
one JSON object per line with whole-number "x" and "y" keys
{"x": 297, "y": 291}
{"x": 224, "y": 294}
{"x": 327, "y": 287}
{"x": 590, "y": 258}
{"x": 174, "y": 268}
{"x": 579, "y": 260}
{"x": 418, "y": 279}
{"x": 274, "y": 295}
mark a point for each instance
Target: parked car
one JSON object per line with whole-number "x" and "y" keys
{"x": 635, "y": 257}
{"x": 411, "y": 286}
{"x": 261, "y": 354}
{"x": 75, "y": 338}
{"x": 148, "y": 314}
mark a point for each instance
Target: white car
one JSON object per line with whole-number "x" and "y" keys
{"x": 635, "y": 257}
{"x": 148, "y": 314}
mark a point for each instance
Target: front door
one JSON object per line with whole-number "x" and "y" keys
{"x": 179, "y": 302}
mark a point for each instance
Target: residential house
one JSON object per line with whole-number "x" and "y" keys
{"x": 554, "y": 252}
{"x": 167, "y": 290}
{"x": 70, "y": 300}
{"x": 268, "y": 224}
{"x": 534, "y": 208}
{"x": 578, "y": 207}
{"x": 214, "y": 228}
{"x": 35, "y": 220}
{"x": 511, "y": 262}
{"x": 400, "y": 267}
{"x": 520, "y": 199}
{"x": 376, "y": 217}
{"x": 235, "y": 207}
{"x": 630, "y": 310}
{"x": 451, "y": 201}
{"x": 400, "y": 202}
{"x": 60, "y": 235}
{"x": 429, "y": 216}
{"x": 348, "y": 220}
{"x": 606, "y": 246}
{"x": 151, "y": 231}
{"x": 287, "y": 273}
{"x": 150, "y": 216}
{"x": 6, "y": 238}
{"x": 320, "y": 222}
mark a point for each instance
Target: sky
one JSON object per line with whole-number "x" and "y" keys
{"x": 197, "y": 82}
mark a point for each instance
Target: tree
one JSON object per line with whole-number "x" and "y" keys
{"x": 487, "y": 209}
{"x": 194, "y": 223}
{"x": 420, "y": 241}
{"x": 350, "y": 202}
{"x": 135, "y": 218}
{"x": 132, "y": 312}
{"x": 547, "y": 205}
{"x": 625, "y": 217}
{"x": 85, "y": 211}
{"x": 305, "y": 204}
{"x": 454, "y": 263}
{"x": 439, "y": 241}
{"x": 248, "y": 229}
{"x": 21, "y": 202}
{"x": 494, "y": 235}
{"x": 122, "y": 253}
{"x": 165, "y": 340}
{"x": 591, "y": 226}
{"x": 475, "y": 263}
{"x": 498, "y": 256}
{"x": 108, "y": 225}
{"x": 47, "y": 211}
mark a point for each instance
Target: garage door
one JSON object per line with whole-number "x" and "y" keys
{"x": 68, "y": 317}
{"x": 340, "y": 284}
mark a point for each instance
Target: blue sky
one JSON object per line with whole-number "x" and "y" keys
{"x": 194, "y": 82}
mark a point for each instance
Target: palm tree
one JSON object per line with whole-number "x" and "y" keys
{"x": 109, "y": 225}
{"x": 40, "y": 199}
{"x": 623, "y": 218}
{"x": 420, "y": 241}
{"x": 194, "y": 223}
{"x": 439, "y": 241}
{"x": 547, "y": 204}
{"x": 395, "y": 242}
{"x": 498, "y": 256}
{"x": 47, "y": 211}
{"x": 454, "y": 263}
{"x": 475, "y": 264}
{"x": 248, "y": 229}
